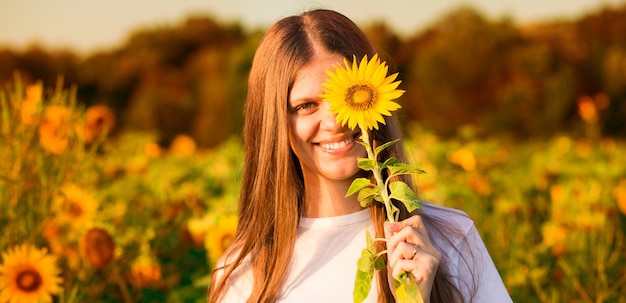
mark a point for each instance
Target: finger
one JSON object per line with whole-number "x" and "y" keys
{"x": 423, "y": 268}
{"x": 403, "y": 251}
{"x": 406, "y": 235}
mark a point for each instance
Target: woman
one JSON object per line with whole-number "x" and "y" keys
{"x": 299, "y": 237}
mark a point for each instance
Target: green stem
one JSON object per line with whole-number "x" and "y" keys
{"x": 380, "y": 183}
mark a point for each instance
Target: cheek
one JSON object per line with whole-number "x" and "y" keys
{"x": 300, "y": 131}
{"x": 294, "y": 135}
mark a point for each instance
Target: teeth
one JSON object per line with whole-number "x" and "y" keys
{"x": 336, "y": 145}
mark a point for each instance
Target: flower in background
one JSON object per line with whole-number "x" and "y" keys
{"x": 99, "y": 120}
{"x": 145, "y": 272}
{"x": 221, "y": 236}
{"x": 74, "y": 206}
{"x": 199, "y": 227}
{"x": 153, "y": 150}
{"x": 587, "y": 109}
{"x": 554, "y": 237}
{"x": 362, "y": 93}
{"x": 97, "y": 246}
{"x": 619, "y": 192}
{"x": 31, "y": 103}
{"x": 183, "y": 146}
{"x": 54, "y": 129}
{"x": 463, "y": 158}
{"x": 28, "y": 274}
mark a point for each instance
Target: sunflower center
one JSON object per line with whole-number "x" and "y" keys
{"x": 360, "y": 97}
{"x": 97, "y": 246}
{"x": 28, "y": 280}
{"x": 75, "y": 209}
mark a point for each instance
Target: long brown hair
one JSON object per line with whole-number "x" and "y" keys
{"x": 272, "y": 185}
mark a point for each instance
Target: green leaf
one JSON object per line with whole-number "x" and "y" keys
{"x": 403, "y": 193}
{"x": 366, "y": 164}
{"x": 366, "y": 195}
{"x": 365, "y": 271}
{"x": 357, "y": 185}
{"x": 379, "y": 263}
{"x": 379, "y": 149}
{"x": 407, "y": 290}
{"x": 391, "y": 161}
{"x": 403, "y": 169}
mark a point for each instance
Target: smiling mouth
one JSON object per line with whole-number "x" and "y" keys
{"x": 337, "y": 145}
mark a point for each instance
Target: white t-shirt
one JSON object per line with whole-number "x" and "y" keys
{"x": 323, "y": 265}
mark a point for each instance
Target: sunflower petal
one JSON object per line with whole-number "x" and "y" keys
{"x": 361, "y": 76}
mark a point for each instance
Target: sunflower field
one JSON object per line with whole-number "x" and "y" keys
{"x": 91, "y": 213}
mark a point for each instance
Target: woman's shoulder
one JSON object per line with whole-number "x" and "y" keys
{"x": 453, "y": 217}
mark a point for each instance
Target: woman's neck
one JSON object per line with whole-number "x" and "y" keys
{"x": 327, "y": 198}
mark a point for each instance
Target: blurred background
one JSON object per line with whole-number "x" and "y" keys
{"x": 121, "y": 127}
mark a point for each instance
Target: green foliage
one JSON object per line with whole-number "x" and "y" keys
{"x": 357, "y": 185}
{"x": 551, "y": 212}
{"x": 369, "y": 262}
{"x": 402, "y": 192}
{"x": 153, "y": 206}
{"x": 407, "y": 289}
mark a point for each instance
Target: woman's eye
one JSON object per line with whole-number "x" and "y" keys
{"x": 305, "y": 107}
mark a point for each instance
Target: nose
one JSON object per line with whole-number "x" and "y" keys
{"x": 328, "y": 121}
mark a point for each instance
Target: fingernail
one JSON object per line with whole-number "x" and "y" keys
{"x": 394, "y": 226}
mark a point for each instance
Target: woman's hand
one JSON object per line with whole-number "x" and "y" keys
{"x": 409, "y": 250}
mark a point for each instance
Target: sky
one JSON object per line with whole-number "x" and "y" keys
{"x": 85, "y": 26}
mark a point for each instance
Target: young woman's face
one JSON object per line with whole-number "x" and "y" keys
{"x": 325, "y": 149}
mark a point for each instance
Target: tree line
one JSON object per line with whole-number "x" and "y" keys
{"x": 464, "y": 69}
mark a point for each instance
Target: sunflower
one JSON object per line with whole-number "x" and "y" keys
{"x": 99, "y": 120}
{"x": 97, "y": 246}
{"x": 183, "y": 146}
{"x": 199, "y": 227}
{"x": 28, "y": 274}
{"x": 74, "y": 206}
{"x": 218, "y": 239}
{"x": 54, "y": 129}
{"x": 31, "y": 103}
{"x": 360, "y": 94}
{"x": 145, "y": 272}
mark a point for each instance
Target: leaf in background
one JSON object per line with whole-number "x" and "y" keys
{"x": 407, "y": 290}
{"x": 403, "y": 193}
{"x": 357, "y": 185}
{"x": 365, "y": 270}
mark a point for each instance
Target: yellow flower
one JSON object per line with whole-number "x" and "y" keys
{"x": 97, "y": 247}
{"x": 554, "y": 237}
{"x": 218, "y": 239}
{"x": 99, "y": 119}
{"x": 199, "y": 227}
{"x": 587, "y": 109}
{"x": 28, "y": 274}
{"x": 183, "y": 146}
{"x": 362, "y": 93}
{"x": 145, "y": 272}
{"x": 74, "y": 206}
{"x": 153, "y": 150}
{"x": 619, "y": 192}
{"x": 31, "y": 103}
{"x": 464, "y": 158}
{"x": 54, "y": 129}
